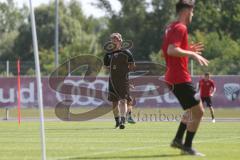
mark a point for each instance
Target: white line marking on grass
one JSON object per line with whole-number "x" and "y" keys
{"x": 109, "y": 152}
{"x": 217, "y": 140}
{"x": 141, "y": 148}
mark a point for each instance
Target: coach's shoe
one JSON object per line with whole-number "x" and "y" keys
{"x": 117, "y": 125}
{"x": 131, "y": 120}
{"x": 121, "y": 126}
{"x": 191, "y": 151}
{"x": 176, "y": 143}
{"x": 213, "y": 120}
{"x": 122, "y": 122}
{"x": 117, "y": 120}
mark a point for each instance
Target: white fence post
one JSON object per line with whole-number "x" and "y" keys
{"x": 69, "y": 68}
{"x": 7, "y": 74}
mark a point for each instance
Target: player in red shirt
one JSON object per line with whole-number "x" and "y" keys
{"x": 207, "y": 89}
{"x": 176, "y": 52}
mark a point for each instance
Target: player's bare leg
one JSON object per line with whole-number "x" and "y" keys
{"x": 116, "y": 113}
{"x": 123, "y": 112}
{"x": 129, "y": 114}
{"x": 212, "y": 114}
{"x": 192, "y": 126}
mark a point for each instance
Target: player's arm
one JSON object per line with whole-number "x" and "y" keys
{"x": 106, "y": 62}
{"x": 194, "y": 51}
{"x": 198, "y": 87}
{"x": 131, "y": 66}
{"x": 131, "y": 61}
{"x": 213, "y": 92}
{"x": 178, "y": 52}
{"x": 213, "y": 89}
{"x": 131, "y": 86}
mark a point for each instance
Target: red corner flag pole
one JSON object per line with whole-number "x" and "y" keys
{"x": 19, "y": 97}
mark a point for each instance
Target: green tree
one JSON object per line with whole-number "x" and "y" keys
{"x": 77, "y": 34}
{"x": 223, "y": 53}
{"x": 221, "y": 16}
{"x": 141, "y": 21}
{"x": 11, "y": 18}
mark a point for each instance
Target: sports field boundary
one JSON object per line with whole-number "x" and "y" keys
{"x": 34, "y": 119}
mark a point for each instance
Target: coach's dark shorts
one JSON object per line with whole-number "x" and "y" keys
{"x": 207, "y": 100}
{"x": 119, "y": 91}
{"x": 185, "y": 94}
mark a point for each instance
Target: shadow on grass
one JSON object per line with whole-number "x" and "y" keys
{"x": 127, "y": 157}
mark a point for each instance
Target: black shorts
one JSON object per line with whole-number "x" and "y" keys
{"x": 119, "y": 91}
{"x": 207, "y": 100}
{"x": 185, "y": 94}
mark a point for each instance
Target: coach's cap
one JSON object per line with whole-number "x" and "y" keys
{"x": 117, "y": 35}
{"x": 187, "y": 2}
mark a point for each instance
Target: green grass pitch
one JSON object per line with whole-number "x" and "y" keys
{"x": 98, "y": 140}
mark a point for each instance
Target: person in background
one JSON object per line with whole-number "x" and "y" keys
{"x": 207, "y": 89}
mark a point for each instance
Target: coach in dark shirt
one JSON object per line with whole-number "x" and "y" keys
{"x": 119, "y": 62}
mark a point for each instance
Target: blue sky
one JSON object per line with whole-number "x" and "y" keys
{"x": 86, "y": 4}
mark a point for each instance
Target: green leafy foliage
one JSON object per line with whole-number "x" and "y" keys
{"x": 78, "y": 34}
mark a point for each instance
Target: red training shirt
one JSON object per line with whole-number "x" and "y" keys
{"x": 177, "y": 67}
{"x": 206, "y": 87}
